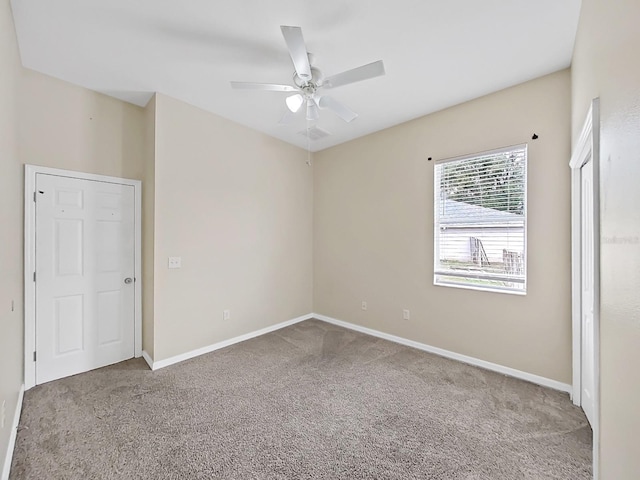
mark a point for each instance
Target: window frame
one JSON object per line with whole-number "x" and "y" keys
{"x": 436, "y": 231}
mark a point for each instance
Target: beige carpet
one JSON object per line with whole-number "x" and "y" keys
{"x": 311, "y": 401}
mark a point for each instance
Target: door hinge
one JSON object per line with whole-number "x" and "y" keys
{"x": 34, "y": 196}
{"x": 34, "y": 356}
{"x": 34, "y": 276}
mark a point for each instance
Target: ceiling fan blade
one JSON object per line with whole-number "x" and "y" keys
{"x": 312, "y": 110}
{"x": 337, "y": 107}
{"x": 358, "y": 74}
{"x": 263, "y": 86}
{"x": 297, "y": 50}
{"x": 287, "y": 118}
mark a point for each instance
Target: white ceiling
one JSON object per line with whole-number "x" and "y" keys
{"x": 437, "y": 53}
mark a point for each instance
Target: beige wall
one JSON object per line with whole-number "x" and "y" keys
{"x": 64, "y": 126}
{"x": 606, "y": 64}
{"x": 373, "y": 231}
{"x": 11, "y": 200}
{"x": 236, "y": 205}
{"x": 148, "y": 222}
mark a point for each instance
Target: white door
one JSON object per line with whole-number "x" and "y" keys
{"x": 588, "y": 290}
{"x": 85, "y": 254}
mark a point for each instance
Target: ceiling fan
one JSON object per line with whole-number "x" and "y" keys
{"x": 309, "y": 81}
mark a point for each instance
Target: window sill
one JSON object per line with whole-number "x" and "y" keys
{"x": 480, "y": 288}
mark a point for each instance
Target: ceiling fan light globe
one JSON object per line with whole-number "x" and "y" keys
{"x": 294, "y": 102}
{"x": 312, "y": 111}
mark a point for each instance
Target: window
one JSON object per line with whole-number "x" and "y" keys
{"x": 480, "y": 220}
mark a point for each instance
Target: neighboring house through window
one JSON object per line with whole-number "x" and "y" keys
{"x": 480, "y": 220}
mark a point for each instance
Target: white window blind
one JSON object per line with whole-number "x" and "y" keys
{"x": 480, "y": 220}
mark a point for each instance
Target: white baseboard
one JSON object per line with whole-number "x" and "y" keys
{"x": 12, "y": 436}
{"x": 155, "y": 365}
{"x": 147, "y": 358}
{"x": 512, "y": 372}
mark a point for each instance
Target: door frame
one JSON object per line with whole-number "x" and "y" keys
{"x": 30, "y": 172}
{"x": 586, "y": 148}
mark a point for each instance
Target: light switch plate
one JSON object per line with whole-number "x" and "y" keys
{"x": 175, "y": 262}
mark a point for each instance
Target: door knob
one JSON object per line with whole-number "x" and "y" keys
{"x": 128, "y": 280}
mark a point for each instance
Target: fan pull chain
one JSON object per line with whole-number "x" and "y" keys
{"x": 308, "y": 143}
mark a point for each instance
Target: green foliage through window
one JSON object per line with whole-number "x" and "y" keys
{"x": 495, "y": 181}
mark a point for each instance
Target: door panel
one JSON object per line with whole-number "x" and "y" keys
{"x": 109, "y": 307}
{"x": 588, "y": 293}
{"x": 85, "y": 243}
{"x": 69, "y": 324}
{"x": 69, "y": 235}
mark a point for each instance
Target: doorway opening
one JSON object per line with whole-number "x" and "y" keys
{"x": 585, "y": 266}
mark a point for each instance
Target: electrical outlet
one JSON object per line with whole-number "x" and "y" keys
{"x": 226, "y": 314}
{"x": 3, "y": 413}
{"x": 364, "y": 305}
{"x": 175, "y": 262}
{"x": 406, "y": 314}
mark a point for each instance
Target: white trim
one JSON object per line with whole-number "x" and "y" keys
{"x": 137, "y": 345}
{"x": 30, "y": 172}
{"x": 582, "y": 151}
{"x": 584, "y": 144}
{"x": 512, "y": 372}
{"x": 148, "y": 359}
{"x": 479, "y": 276}
{"x": 576, "y": 329}
{"x": 29, "y": 285}
{"x": 587, "y": 147}
{"x": 6, "y": 469}
{"x": 479, "y": 288}
{"x": 155, "y": 365}
{"x": 486, "y": 153}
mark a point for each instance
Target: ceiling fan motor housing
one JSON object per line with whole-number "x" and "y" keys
{"x": 309, "y": 87}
